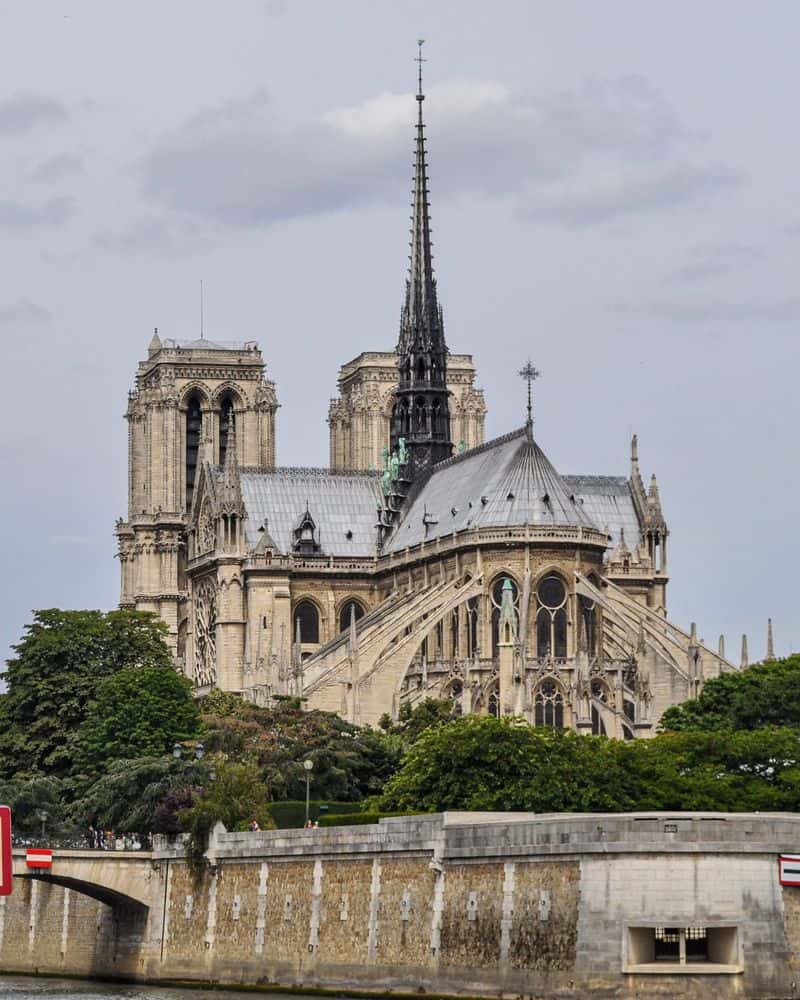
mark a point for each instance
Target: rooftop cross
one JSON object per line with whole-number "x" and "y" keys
{"x": 530, "y": 374}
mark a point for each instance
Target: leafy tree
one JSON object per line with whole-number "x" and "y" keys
{"x": 132, "y": 794}
{"x": 766, "y": 694}
{"x": 349, "y": 762}
{"x": 58, "y": 665}
{"x": 28, "y": 798}
{"x": 137, "y": 712}
{"x": 498, "y": 764}
{"x": 235, "y": 797}
{"x": 414, "y": 720}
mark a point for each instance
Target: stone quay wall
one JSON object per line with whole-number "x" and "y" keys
{"x": 465, "y": 904}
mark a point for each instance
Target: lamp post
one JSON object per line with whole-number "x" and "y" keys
{"x": 43, "y": 814}
{"x": 308, "y": 765}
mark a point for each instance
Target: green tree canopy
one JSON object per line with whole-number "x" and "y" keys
{"x": 480, "y": 762}
{"x": 58, "y": 665}
{"x": 766, "y": 694}
{"x": 414, "y": 720}
{"x": 349, "y": 762}
{"x": 136, "y": 712}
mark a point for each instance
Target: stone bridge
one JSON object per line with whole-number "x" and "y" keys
{"x": 116, "y": 878}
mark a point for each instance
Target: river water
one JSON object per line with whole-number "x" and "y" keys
{"x": 13, "y": 988}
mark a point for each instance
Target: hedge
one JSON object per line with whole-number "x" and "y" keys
{"x": 291, "y": 813}
{"x": 359, "y": 818}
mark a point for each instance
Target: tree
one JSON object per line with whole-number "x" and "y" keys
{"x": 58, "y": 665}
{"x": 29, "y": 798}
{"x": 137, "y": 712}
{"x": 349, "y": 762}
{"x": 766, "y": 694}
{"x": 413, "y": 721}
{"x": 130, "y": 796}
{"x": 499, "y": 764}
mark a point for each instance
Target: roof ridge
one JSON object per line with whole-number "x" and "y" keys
{"x": 309, "y": 470}
{"x": 471, "y": 452}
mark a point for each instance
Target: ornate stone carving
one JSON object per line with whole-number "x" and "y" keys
{"x": 205, "y": 632}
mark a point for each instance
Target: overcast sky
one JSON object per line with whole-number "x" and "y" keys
{"x": 614, "y": 193}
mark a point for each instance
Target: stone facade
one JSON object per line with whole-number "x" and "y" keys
{"x": 466, "y": 904}
{"x": 360, "y": 417}
{"x": 177, "y": 415}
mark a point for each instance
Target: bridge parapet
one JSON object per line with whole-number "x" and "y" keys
{"x": 117, "y": 878}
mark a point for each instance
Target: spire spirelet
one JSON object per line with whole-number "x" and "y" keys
{"x": 421, "y": 414}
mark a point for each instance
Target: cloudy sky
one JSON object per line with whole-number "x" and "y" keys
{"x": 614, "y": 194}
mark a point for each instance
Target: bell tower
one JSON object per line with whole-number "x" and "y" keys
{"x": 421, "y": 412}
{"x": 186, "y": 398}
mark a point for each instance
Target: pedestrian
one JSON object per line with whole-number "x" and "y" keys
{"x": 91, "y": 836}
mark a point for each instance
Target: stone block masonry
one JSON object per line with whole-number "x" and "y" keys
{"x": 464, "y": 904}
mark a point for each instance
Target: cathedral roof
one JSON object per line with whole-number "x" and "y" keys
{"x": 508, "y": 481}
{"x": 343, "y": 506}
{"x": 609, "y": 503}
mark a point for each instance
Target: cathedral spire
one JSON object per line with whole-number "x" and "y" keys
{"x": 421, "y": 413}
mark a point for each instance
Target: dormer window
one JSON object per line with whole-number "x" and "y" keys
{"x": 305, "y": 535}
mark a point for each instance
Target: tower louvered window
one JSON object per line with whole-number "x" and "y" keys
{"x": 194, "y": 426}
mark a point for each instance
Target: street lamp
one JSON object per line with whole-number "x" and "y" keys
{"x": 308, "y": 765}
{"x": 43, "y": 814}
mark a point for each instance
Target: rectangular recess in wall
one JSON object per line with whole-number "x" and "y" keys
{"x": 691, "y": 951}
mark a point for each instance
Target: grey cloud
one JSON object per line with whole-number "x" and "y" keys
{"x": 23, "y": 312}
{"x": 16, "y": 216}
{"x": 24, "y": 112}
{"x": 702, "y": 309}
{"x": 156, "y": 235}
{"x": 56, "y": 168}
{"x": 241, "y": 166}
{"x": 598, "y": 197}
{"x": 717, "y": 260}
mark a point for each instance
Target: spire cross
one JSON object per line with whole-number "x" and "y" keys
{"x": 530, "y": 374}
{"x": 419, "y": 59}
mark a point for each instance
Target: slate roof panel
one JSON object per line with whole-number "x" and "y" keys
{"x": 338, "y": 503}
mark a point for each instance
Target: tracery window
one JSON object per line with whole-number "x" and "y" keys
{"x": 548, "y": 705}
{"x": 551, "y": 618}
{"x": 497, "y": 601}
{"x": 226, "y": 419}
{"x": 205, "y": 632}
{"x": 307, "y": 614}
{"x": 206, "y": 530}
{"x": 587, "y": 622}
{"x": 194, "y": 426}
{"x": 347, "y": 609}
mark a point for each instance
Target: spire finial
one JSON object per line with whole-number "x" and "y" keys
{"x": 745, "y": 662}
{"x": 420, "y": 60}
{"x": 770, "y": 641}
{"x": 202, "y": 317}
{"x": 530, "y": 374}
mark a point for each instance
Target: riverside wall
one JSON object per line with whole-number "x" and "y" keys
{"x": 470, "y": 904}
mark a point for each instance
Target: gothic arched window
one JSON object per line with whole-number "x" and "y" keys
{"x": 194, "y": 426}
{"x": 548, "y": 705}
{"x": 307, "y": 614}
{"x": 551, "y": 618}
{"x": 225, "y": 422}
{"x": 347, "y": 609}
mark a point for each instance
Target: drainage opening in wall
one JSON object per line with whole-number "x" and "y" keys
{"x": 675, "y": 949}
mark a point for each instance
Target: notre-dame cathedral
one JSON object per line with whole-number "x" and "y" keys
{"x": 424, "y": 562}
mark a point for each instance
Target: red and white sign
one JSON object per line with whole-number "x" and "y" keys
{"x": 6, "y": 866}
{"x": 789, "y": 869}
{"x": 39, "y": 857}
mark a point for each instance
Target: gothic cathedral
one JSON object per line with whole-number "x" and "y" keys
{"x": 424, "y": 562}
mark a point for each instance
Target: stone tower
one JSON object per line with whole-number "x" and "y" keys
{"x": 421, "y": 414}
{"x": 360, "y": 416}
{"x": 183, "y": 407}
